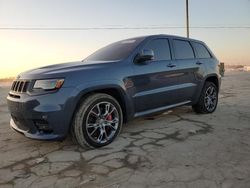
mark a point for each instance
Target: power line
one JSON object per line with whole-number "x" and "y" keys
{"x": 121, "y": 28}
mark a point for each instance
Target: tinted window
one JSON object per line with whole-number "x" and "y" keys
{"x": 160, "y": 48}
{"x": 183, "y": 50}
{"x": 201, "y": 51}
{"x": 116, "y": 51}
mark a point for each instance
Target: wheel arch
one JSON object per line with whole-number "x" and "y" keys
{"x": 113, "y": 90}
{"x": 214, "y": 79}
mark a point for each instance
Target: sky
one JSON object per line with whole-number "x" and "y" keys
{"x": 21, "y": 50}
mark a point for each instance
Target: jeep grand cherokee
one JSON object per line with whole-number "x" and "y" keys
{"x": 131, "y": 78}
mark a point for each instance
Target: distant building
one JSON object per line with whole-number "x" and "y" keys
{"x": 246, "y": 68}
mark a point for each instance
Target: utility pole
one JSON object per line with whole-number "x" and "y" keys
{"x": 187, "y": 19}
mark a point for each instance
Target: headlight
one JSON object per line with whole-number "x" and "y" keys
{"x": 48, "y": 84}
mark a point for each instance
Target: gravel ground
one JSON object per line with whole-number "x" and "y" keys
{"x": 176, "y": 149}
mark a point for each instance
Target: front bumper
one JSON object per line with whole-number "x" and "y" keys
{"x": 43, "y": 117}
{"x": 37, "y": 135}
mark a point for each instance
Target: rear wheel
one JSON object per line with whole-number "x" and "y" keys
{"x": 97, "y": 121}
{"x": 208, "y": 100}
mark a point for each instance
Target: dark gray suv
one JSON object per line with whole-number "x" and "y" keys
{"x": 131, "y": 78}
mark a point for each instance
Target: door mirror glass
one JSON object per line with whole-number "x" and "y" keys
{"x": 144, "y": 55}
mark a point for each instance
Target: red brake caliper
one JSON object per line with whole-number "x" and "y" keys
{"x": 109, "y": 117}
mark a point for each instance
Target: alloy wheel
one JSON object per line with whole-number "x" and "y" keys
{"x": 210, "y": 98}
{"x": 102, "y": 122}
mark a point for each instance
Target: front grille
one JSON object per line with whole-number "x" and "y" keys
{"x": 20, "y": 86}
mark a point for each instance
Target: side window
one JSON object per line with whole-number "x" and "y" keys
{"x": 201, "y": 51}
{"x": 161, "y": 49}
{"x": 183, "y": 50}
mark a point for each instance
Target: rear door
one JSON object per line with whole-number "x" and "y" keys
{"x": 155, "y": 80}
{"x": 203, "y": 57}
{"x": 188, "y": 69}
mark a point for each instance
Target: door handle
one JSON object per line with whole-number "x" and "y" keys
{"x": 198, "y": 63}
{"x": 171, "y": 65}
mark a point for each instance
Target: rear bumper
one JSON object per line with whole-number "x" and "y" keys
{"x": 43, "y": 117}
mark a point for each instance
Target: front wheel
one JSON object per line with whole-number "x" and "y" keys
{"x": 97, "y": 121}
{"x": 208, "y": 100}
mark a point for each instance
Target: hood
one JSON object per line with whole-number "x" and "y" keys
{"x": 63, "y": 68}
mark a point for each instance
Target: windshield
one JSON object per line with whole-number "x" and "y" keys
{"x": 115, "y": 51}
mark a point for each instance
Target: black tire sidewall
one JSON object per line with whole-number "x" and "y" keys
{"x": 200, "y": 107}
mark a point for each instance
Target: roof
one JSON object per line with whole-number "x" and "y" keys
{"x": 167, "y": 36}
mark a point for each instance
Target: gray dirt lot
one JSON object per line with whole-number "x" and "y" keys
{"x": 176, "y": 149}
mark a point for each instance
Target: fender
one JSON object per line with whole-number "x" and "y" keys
{"x": 82, "y": 90}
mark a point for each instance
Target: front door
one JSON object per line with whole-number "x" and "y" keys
{"x": 155, "y": 81}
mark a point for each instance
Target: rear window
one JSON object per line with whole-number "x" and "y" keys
{"x": 183, "y": 49}
{"x": 160, "y": 48}
{"x": 115, "y": 51}
{"x": 201, "y": 51}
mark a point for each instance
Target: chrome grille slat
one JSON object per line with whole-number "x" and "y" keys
{"x": 13, "y": 85}
{"x": 25, "y": 86}
{"x": 16, "y": 86}
{"x": 20, "y": 87}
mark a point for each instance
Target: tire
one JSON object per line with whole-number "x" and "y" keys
{"x": 208, "y": 99}
{"x": 97, "y": 121}
{"x": 72, "y": 135}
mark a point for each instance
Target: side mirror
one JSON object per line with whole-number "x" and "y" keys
{"x": 144, "y": 55}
